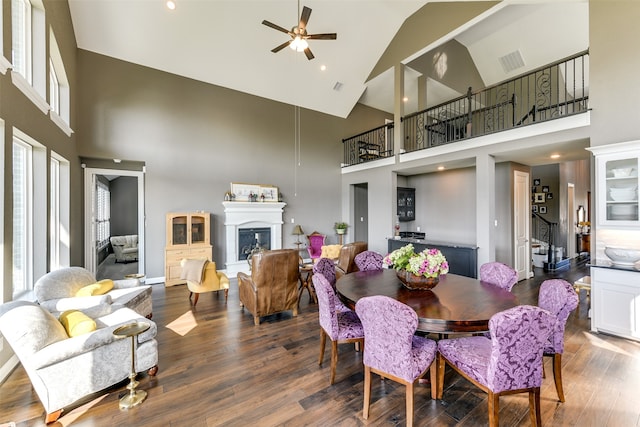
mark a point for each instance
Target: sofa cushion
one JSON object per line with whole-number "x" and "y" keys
{"x": 77, "y": 323}
{"x": 101, "y": 287}
{"x": 29, "y": 327}
{"x": 92, "y": 306}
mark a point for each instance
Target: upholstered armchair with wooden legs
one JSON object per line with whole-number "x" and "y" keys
{"x": 212, "y": 281}
{"x": 340, "y": 326}
{"x": 368, "y": 261}
{"x": 509, "y": 362}
{"x": 391, "y": 348}
{"x": 272, "y": 286}
{"x": 499, "y": 274}
{"x": 346, "y": 260}
{"x": 559, "y": 298}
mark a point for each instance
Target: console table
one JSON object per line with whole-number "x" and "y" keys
{"x": 462, "y": 259}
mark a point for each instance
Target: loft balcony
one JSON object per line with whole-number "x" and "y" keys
{"x": 557, "y": 90}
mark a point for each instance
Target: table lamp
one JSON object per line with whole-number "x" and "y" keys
{"x": 297, "y": 231}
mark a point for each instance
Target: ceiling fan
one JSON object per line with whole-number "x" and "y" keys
{"x": 299, "y": 34}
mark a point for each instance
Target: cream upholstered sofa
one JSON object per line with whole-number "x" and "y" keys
{"x": 56, "y": 291}
{"x": 65, "y": 369}
{"x": 125, "y": 248}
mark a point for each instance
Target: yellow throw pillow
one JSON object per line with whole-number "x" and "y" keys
{"x": 99, "y": 288}
{"x": 77, "y": 323}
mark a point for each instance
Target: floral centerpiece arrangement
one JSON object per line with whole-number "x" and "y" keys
{"x": 417, "y": 270}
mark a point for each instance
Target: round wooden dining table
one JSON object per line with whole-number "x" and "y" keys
{"x": 456, "y": 304}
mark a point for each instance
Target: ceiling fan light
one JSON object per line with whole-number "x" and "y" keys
{"x": 299, "y": 44}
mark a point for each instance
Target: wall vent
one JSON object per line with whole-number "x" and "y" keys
{"x": 511, "y": 61}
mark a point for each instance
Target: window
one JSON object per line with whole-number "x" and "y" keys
{"x": 54, "y": 89}
{"x": 59, "y": 98}
{"x": 29, "y": 249}
{"x": 103, "y": 215}
{"x": 21, "y": 40}
{"x": 58, "y": 212}
{"x": 28, "y": 50}
{"x": 22, "y": 218}
{"x": 4, "y": 63}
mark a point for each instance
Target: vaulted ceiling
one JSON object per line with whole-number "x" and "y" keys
{"x": 223, "y": 42}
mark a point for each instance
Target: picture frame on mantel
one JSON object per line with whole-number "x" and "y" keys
{"x": 270, "y": 193}
{"x": 243, "y": 190}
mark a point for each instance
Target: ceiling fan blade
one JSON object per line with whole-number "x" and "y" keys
{"x": 277, "y": 27}
{"x": 304, "y": 17}
{"x": 307, "y": 52}
{"x": 280, "y": 47}
{"x": 325, "y": 36}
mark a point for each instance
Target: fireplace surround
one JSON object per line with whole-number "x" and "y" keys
{"x": 250, "y": 215}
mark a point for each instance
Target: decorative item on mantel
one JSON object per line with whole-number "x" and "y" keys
{"x": 417, "y": 271}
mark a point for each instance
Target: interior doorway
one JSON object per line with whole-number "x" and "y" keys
{"x": 571, "y": 221}
{"x": 361, "y": 212}
{"x": 92, "y": 176}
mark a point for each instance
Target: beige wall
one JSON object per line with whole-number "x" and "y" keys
{"x": 614, "y": 69}
{"x": 196, "y": 138}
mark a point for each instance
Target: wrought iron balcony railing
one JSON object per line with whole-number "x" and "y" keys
{"x": 555, "y": 90}
{"x": 370, "y": 145}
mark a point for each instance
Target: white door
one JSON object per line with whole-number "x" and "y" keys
{"x": 521, "y": 221}
{"x": 90, "y": 221}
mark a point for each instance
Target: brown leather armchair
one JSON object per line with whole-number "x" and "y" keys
{"x": 348, "y": 253}
{"x": 273, "y": 284}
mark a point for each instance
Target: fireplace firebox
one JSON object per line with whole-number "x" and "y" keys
{"x": 251, "y": 238}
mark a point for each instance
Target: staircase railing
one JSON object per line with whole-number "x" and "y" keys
{"x": 545, "y": 231}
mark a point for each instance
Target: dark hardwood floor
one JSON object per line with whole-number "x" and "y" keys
{"x": 218, "y": 369}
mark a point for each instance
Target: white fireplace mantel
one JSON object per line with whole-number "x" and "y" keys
{"x": 239, "y": 215}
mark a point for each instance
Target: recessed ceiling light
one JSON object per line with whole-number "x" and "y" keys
{"x": 171, "y": 5}
{"x": 555, "y": 156}
{"x": 323, "y": 67}
{"x": 405, "y": 99}
{"x": 440, "y": 168}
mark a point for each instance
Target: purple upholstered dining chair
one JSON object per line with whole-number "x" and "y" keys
{"x": 368, "y": 261}
{"x": 499, "y": 274}
{"x": 559, "y": 298}
{"x": 508, "y": 362}
{"x": 327, "y": 268}
{"x": 340, "y": 326}
{"x": 392, "y": 350}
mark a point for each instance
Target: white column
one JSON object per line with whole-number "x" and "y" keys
{"x": 485, "y": 209}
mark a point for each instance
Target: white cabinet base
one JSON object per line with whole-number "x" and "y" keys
{"x": 615, "y": 302}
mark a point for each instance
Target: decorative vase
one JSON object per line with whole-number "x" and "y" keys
{"x": 414, "y": 282}
{"x": 340, "y": 230}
